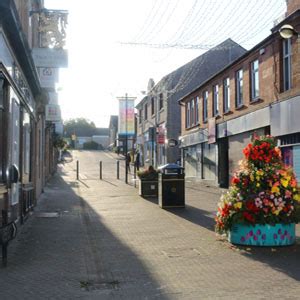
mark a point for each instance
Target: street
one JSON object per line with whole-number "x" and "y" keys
{"x": 98, "y": 239}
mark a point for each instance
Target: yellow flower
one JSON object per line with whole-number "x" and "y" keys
{"x": 276, "y": 212}
{"x": 257, "y": 178}
{"x": 284, "y": 182}
{"x": 297, "y": 197}
{"x": 251, "y": 177}
{"x": 260, "y": 172}
{"x": 258, "y": 184}
{"x": 238, "y": 205}
{"x": 275, "y": 190}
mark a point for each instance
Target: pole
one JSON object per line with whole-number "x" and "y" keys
{"x": 126, "y": 139}
{"x": 118, "y": 169}
{"x": 77, "y": 170}
{"x": 100, "y": 170}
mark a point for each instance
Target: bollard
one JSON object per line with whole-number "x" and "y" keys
{"x": 126, "y": 172}
{"x": 118, "y": 169}
{"x": 134, "y": 175}
{"x": 100, "y": 170}
{"x": 77, "y": 170}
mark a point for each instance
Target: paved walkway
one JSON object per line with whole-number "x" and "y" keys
{"x": 100, "y": 240}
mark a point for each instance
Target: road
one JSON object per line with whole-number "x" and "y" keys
{"x": 100, "y": 240}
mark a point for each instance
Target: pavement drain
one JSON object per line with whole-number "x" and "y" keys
{"x": 47, "y": 215}
{"x": 104, "y": 285}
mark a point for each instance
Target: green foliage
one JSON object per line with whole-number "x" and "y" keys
{"x": 79, "y": 127}
{"x": 91, "y": 145}
{"x": 59, "y": 142}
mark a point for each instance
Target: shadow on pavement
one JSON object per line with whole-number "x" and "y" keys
{"x": 73, "y": 255}
{"x": 195, "y": 215}
{"x": 283, "y": 259}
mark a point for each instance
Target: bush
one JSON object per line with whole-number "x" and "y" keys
{"x": 91, "y": 145}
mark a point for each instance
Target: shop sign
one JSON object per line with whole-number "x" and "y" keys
{"x": 53, "y": 113}
{"x": 48, "y": 77}
{"x": 172, "y": 143}
{"x": 50, "y": 58}
{"x": 161, "y": 135}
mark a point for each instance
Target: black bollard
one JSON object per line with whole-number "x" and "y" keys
{"x": 100, "y": 170}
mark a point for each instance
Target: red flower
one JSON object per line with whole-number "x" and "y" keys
{"x": 248, "y": 217}
{"x": 235, "y": 180}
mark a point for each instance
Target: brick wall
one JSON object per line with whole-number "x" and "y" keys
{"x": 292, "y": 6}
{"x": 270, "y": 82}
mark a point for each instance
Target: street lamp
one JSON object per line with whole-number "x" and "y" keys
{"x": 286, "y": 31}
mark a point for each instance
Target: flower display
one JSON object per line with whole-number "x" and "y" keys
{"x": 262, "y": 191}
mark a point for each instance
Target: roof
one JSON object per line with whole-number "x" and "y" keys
{"x": 101, "y": 132}
{"x": 191, "y": 75}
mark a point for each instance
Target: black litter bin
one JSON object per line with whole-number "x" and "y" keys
{"x": 171, "y": 186}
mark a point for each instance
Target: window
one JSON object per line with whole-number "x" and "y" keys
{"x": 161, "y": 101}
{"x": 192, "y": 112}
{"x": 254, "y": 80}
{"x": 205, "y": 100}
{"x": 226, "y": 95}
{"x": 152, "y": 106}
{"x": 239, "y": 88}
{"x": 197, "y": 111}
{"x": 215, "y": 100}
{"x": 140, "y": 116}
{"x": 187, "y": 115}
{"x": 287, "y": 60}
{"x": 146, "y": 111}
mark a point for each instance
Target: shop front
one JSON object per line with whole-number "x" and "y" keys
{"x": 285, "y": 125}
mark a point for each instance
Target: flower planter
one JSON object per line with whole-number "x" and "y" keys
{"x": 148, "y": 187}
{"x": 262, "y": 235}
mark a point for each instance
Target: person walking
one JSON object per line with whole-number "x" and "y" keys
{"x": 128, "y": 160}
{"x": 137, "y": 160}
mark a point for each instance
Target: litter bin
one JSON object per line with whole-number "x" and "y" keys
{"x": 171, "y": 186}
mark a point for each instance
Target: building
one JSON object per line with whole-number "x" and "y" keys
{"x": 257, "y": 93}
{"x": 26, "y": 139}
{"x": 159, "y": 118}
{"x": 113, "y": 131}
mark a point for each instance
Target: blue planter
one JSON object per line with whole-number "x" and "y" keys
{"x": 262, "y": 235}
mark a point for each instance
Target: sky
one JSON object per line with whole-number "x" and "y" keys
{"x": 116, "y": 46}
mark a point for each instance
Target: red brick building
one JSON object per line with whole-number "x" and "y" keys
{"x": 259, "y": 92}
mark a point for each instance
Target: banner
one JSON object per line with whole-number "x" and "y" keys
{"x": 126, "y": 116}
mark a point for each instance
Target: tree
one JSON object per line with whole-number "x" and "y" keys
{"x": 79, "y": 127}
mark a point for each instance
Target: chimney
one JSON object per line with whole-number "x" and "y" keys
{"x": 292, "y": 6}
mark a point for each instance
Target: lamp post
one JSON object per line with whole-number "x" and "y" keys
{"x": 286, "y": 31}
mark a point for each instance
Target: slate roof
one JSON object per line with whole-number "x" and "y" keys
{"x": 102, "y": 131}
{"x": 190, "y": 76}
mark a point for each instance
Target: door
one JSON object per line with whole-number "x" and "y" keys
{"x": 15, "y": 149}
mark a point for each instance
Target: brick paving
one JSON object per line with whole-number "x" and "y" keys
{"x": 106, "y": 242}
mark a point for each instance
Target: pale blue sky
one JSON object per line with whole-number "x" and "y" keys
{"x": 102, "y": 69}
